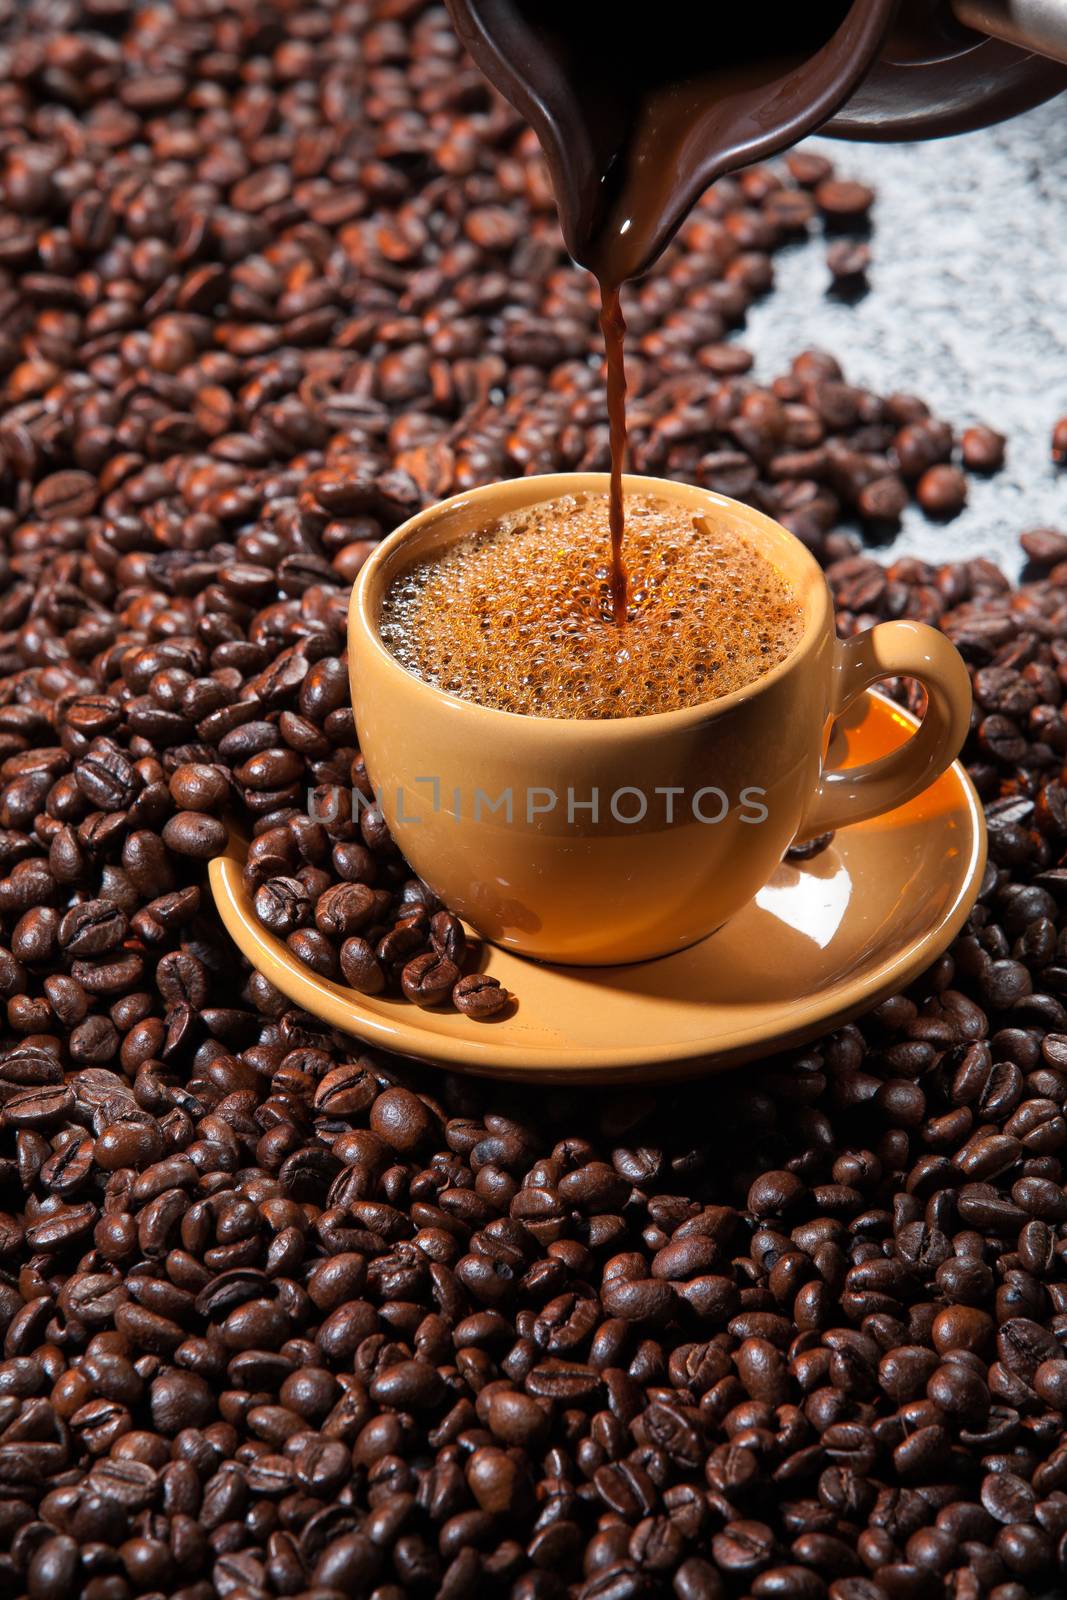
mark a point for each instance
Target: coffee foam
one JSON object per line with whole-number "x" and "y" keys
{"x": 518, "y": 617}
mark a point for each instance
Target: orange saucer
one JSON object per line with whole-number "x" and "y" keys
{"x": 821, "y": 942}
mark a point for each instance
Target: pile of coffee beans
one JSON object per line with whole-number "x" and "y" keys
{"x": 284, "y": 1319}
{"x": 317, "y": 879}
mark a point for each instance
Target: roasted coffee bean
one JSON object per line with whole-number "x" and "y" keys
{"x": 35, "y": 936}
{"x": 196, "y": 786}
{"x": 92, "y": 928}
{"x": 361, "y": 967}
{"x": 883, "y": 499}
{"x": 429, "y": 979}
{"x": 191, "y": 833}
{"x": 848, "y": 260}
{"x": 1059, "y": 442}
{"x": 840, "y": 197}
{"x": 983, "y": 448}
{"x": 283, "y": 904}
{"x": 479, "y": 995}
{"x": 942, "y": 491}
{"x": 1044, "y": 546}
{"x": 401, "y": 1120}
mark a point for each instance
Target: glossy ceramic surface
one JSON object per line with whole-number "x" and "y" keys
{"x": 584, "y": 116}
{"x": 821, "y": 942}
{"x": 934, "y": 77}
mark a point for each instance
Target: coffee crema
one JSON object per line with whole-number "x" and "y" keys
{"x": 519, "y": 617}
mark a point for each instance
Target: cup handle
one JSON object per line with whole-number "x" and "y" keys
{"x": 891, "y": 650}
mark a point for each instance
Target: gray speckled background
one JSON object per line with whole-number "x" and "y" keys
{"x": 967, "y": 307}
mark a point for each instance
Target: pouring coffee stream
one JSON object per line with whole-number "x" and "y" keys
{"x": 636, "y": 123}
{"x": 613, "y": 327}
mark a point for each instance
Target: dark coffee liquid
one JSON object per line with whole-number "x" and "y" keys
{"x": 613, "y": 327}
